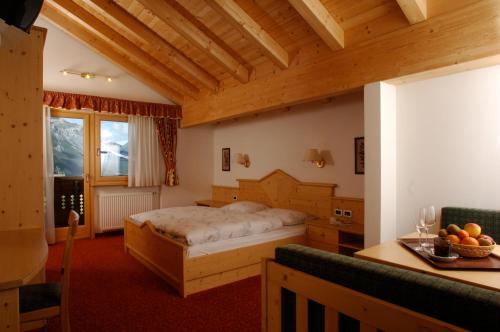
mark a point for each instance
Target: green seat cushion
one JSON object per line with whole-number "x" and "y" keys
{"x": 489, "y": 220}
{"x": 457, "y": 303}
{"x": 39, "y": 296}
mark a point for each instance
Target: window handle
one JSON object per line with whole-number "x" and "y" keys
{"x": 98, "y": 152}
{"x": 87, "y": 178}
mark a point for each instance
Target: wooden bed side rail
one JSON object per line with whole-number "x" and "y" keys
{"x": 372, "y": 313}
{"x": 159, "y": 253}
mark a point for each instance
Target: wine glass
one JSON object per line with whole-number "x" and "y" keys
{"x": 421, "y": 226}
{"x": 430, "y": 220}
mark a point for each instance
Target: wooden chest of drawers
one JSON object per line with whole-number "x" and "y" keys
{"x": 345, "y": 239}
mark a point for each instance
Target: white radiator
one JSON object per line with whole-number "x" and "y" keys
{"x": 113, "y": 207}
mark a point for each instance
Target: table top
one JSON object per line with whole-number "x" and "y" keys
{"x": 393, "y": 253}
{"x": 23, "y": 254}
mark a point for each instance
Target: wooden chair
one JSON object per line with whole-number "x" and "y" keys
{"x": 43, "y": 301}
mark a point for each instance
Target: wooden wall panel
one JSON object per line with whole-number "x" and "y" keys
{"x": 281, "y": 190}
{"x": 467, "y": 34}
{"x": 21, "y": 178}
{"x": 224, "y": 194}
{"x": 356, "y": 205}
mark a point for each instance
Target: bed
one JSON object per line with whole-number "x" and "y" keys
{"x": 194, "y": 267}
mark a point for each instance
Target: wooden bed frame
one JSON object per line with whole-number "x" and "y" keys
{"x": 188, "y": 275}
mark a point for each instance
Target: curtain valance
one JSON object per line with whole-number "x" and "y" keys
{"x": 73, "y": 101}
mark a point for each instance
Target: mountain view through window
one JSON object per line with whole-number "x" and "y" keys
{"x": 67, "y": 145}
{"x": 114, "y": 148}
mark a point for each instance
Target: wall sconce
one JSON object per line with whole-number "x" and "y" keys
{"x": 243, "y": 159}
{"x": 313, "y": 156}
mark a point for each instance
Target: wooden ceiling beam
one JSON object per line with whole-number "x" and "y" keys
{"x": 169, "y": 15}
{"x": 238, "y": 18}
{"x": 154, "y": 66}
{"x": 106, "y": 49}
{"x": 318, "y": 17}
{"x": 175, "y": 58}
{"x": 446, "y": 40}
{"x": 414, "y": 10}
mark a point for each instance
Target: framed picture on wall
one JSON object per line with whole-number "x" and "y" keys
{"x": 359, "y": 155}
{"x": 226, "y": 159}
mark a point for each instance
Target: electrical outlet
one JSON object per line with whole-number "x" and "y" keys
{"x": 347, "y": 213}
{"x": 338, "y": 212}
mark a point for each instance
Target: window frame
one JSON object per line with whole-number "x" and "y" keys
{"x": 100, "y": 180}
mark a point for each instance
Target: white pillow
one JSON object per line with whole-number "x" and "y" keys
{"x": 288, "y": 217}
{"x": 244, "y": 207}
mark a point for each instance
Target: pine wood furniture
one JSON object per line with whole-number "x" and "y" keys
{"x": 37, "y": 301}
{"x": 347, "y": 235}
{"x": 210, "y": 203}
{"x": 169, "y": 259}
{"x": 21, "y": 61}
{"x": 392, "y": 253}
{"x": 378, "y": 296}
{"x": 370, "y": 311}
{"x": 345, "y": 239}
{"x": 23, "y": 254}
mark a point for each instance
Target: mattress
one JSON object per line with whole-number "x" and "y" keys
{"x": 198, "y": 225}
{"x": 250, "y": 240}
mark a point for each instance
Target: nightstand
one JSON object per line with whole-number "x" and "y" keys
{"x": 211, "y": 203}
{"x": 343, "y": 239}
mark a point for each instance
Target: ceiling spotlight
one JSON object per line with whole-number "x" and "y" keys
{"x": 85, "y": 75}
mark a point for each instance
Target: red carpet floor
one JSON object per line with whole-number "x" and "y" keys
{"x": 111, "y": 291}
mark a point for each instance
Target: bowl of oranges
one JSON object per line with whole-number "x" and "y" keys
{"x": 468, "y": 242}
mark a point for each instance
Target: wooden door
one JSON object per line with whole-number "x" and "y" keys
{"x": 71, "y": 148}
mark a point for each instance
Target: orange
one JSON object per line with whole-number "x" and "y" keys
{"x": 470, "y": 241}
{"x": 453, "y": 239}
{"x": 462, "y": 234}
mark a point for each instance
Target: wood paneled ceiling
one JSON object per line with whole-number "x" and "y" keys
{"x": 227, "y": 58}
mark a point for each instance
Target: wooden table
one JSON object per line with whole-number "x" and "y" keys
{"x": 393, "y": 253}
{"x": 23, "y": 254}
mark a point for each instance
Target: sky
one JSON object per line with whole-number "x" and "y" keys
{"x": 114, "y": 132}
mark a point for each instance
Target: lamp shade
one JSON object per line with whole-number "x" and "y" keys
{"x": 240, "y": 158}
{"x": 312, "y": 155}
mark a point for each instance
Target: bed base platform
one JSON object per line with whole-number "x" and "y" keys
{"x": 188, "y": 275}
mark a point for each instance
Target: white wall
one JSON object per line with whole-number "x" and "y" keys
{"x": 279, "y": 141}
{"x": 448, "y": 150}
{"x": 64, "y": 52}
{"x": 380, "y": 161}
{"x": 195, "y": 167}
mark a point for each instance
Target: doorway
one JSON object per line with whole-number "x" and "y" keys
{"x": 71, "y": 146}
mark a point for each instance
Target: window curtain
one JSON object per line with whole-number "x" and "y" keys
{"x": 48, "y": 175}
{"x": 72, "y": 101}
{"x": 145, "y": 167}
{"x": 167, "y": 135}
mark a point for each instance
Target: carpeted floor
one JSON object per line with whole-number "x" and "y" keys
{"x": 111, "y": 291}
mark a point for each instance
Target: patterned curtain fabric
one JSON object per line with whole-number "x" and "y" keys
{"x": 167, "y": 134}
{"x": 71, "y": 101}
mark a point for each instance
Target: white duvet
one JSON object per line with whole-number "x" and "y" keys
{"x": 198, "y": 224}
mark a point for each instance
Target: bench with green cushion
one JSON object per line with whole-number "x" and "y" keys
{"x": 489, "y": 220}
{"x": 463, "y": 305}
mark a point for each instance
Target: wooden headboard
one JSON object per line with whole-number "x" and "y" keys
{"x": 280, "y": 190}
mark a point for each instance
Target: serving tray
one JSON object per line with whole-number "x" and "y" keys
{"x": 490, "y": 262}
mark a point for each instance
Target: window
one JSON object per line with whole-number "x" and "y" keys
{"x": 67, "y": 142}
{"x": 112, "y": 149}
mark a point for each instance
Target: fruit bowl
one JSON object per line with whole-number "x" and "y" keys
{"x": 465, "y": 250}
